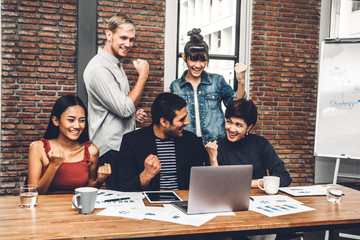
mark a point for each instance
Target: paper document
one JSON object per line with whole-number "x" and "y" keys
{"x": 276, "y": 205}
{"x": 273, "y": 200}
{"x": 107, "y": 194}
{"x": 107, "y": 198}
{"x": 131, "y": 205}
{"x": 123, "y": 211}
{"x": 169, "y": 213}
{"x": 300, "y": 191}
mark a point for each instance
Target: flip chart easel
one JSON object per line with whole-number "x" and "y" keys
{"x": 337, "y": 132}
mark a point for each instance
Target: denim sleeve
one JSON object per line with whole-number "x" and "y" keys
{"x": 226, "y": 91}
{"x": 171, "y": 88}
{"x": 175, "y": 87}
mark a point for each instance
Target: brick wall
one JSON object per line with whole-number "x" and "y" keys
{"x": 284, "y": 61}
{"x": 39, "y": 64}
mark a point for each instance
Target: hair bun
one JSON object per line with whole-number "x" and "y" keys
{"x": 195, "y": 35}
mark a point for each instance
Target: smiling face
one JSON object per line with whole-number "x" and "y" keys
{"x": 195, "y": 65}
{"x": 176, "y": 128}
{"x": 236, "y": 128}
{"x": 71, "y": 123}
{"x": 119, "y": 42}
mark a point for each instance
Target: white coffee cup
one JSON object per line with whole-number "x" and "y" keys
{"x": 84, "y": 199}
{"x": 271, "y": 184}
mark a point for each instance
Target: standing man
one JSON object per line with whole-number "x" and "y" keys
{"x": 160, "y": 156}
{"x": 112, "y": 106}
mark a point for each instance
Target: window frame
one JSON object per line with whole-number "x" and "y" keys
{"x": 242, "y": 49}
{"x": 234, "y": 57}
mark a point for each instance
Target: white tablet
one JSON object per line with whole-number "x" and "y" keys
{"x": 161, "y": 196}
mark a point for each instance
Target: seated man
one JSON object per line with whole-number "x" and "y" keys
{"x": 160, "y": 156}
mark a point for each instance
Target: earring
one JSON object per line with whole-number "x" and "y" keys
{"x": 247, "y": 133}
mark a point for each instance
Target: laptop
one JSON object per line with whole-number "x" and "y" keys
{"x": 218, "y": 189}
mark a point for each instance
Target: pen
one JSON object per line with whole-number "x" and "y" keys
{"x": 251, "y": 199}
{"x": 116, "y": 199}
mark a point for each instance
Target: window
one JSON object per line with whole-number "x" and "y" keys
{"x": 209, "y": 42}
{"x": 219, "y": 39}
{"x": 355, "y": 5}
{"x": 234, "y": 15}
{"x": 221, "y": 26}
{"x": 345, "y": 18}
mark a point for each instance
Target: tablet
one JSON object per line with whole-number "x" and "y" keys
{"x": 161, "y": 196}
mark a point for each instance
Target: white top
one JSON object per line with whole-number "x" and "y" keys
{"x": 197, "y": 114}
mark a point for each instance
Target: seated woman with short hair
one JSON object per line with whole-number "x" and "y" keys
{"x": 240, "y": 147}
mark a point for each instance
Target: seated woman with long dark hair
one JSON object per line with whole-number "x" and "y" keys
{"x": 240, "y": 147}
{"x": 64, "y": 158}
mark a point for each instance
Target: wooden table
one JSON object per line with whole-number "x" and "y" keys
{"x": 54, "y": 218}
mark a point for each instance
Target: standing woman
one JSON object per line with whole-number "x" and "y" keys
{"x": 203, "y": 91}
{"x": 65, "y": 158}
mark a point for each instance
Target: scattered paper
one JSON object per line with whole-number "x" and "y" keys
{"x": 123, "y": 211}
{"x": 300, "y": 191}
{"x": 107, "y": 198}
{"x": 133, "y": 203}
{"x": 279, "y": 210}
{"x": 104, "y": 194}
{"x": 169, "y": 213}
{"x": 272, "y": 200}
{"x": 277, "y": 205}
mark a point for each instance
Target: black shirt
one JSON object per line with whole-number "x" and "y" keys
{"x": 256, "y": 150}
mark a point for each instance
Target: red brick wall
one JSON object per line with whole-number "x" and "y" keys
{"x": 284, "y": 61}
{"x": 39, "y": 64}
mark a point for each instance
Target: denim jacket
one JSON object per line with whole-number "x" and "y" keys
{"x": 211, "y": 91}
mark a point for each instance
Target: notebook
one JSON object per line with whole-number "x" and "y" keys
{"x": 218, "y": 189}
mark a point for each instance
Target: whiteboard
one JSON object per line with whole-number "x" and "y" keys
{"x": 337, "y": 131}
